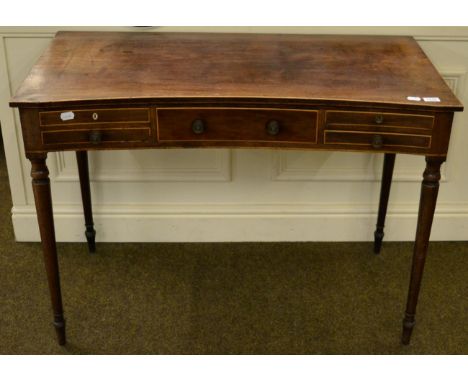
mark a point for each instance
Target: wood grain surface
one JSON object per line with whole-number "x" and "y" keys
{"x": 81, "y": 67}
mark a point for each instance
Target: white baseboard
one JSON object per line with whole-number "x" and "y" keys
{"x": 240, "y": 223}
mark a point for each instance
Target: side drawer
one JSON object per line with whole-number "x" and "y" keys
{"x": 237, "y": 125}
{"x": 376, "y": 140}
{"x": 93, "y": 137}
{"x": 94, "y": 116}
{"x": 341, "y": 119}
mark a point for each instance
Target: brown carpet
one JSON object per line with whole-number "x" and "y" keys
{"x": 248, "y": 298}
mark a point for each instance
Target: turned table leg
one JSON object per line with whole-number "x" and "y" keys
{"x": 82, "y": 160}
{"x": 387, "y": 174}
{"x": 43, "y": 199}
{"x": 427, "y": 204}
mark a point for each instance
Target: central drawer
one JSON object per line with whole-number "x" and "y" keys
{"x": 237, "y": 124}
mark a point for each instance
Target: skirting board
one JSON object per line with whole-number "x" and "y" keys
{"x": 134, "y": 225}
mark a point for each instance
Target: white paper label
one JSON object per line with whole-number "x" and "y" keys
{"x": 413, "y": 98}
{"x": 67, "y": 116}
{"x": 431, "y": 99}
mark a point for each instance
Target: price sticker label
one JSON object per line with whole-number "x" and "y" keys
{"x": 67, "y": 116}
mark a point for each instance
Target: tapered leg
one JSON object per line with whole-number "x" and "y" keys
{"x": 427, "y": 204}
{"x": 387, "y": 174}
{"x": 43, "y": 199}
{"x": 82, "y": 160}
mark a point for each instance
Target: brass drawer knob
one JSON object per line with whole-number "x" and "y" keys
{"x": 95, "y": 137}
{"x": 379, "y": 119}
{"x": 273, "y": 127}
{"x": 95, "y": 116}
{"x": 198, "y": 126}
{"x": 377, "y": 141}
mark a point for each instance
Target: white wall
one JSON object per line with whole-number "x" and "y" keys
{"x": 241, "y": 194}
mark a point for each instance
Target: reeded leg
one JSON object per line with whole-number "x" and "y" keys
{"x": 43, "y": 199}
{"x": 387, "y": 174}
{"x": 427, "y": 204}
{"x": 82, "y": 160}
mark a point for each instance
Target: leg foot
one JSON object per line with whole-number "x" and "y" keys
{"x": 90, "y": 234}
{"x": 59, "y": 324}
{"x": 408, "y": 325}
{"x": 378, "y": 237}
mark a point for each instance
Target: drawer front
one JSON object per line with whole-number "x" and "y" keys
{"x": 232, "y": 124}
{"x": 341, "y": 119}
{"x": 94, "y": 116}
{"x": 376, "y": 140}
{"x": 93, "y": 137}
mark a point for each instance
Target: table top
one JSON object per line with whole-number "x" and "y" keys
{"x": 90, "y": 67}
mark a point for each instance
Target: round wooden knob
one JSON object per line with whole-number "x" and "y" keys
{"x": 377, "y": 141}
{"x": 198, "y": 126}
{"x": 273, "y": 127}
{"x": 95, "y": 137}
{"x": 379, "y": 119}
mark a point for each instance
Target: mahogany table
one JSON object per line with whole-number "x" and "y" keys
{"x": 105, "y": 91}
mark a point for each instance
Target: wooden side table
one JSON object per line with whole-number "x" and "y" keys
{"x": 107, "y": 91}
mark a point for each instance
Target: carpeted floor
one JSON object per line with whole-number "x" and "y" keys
{"x": 249, "y": 298}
